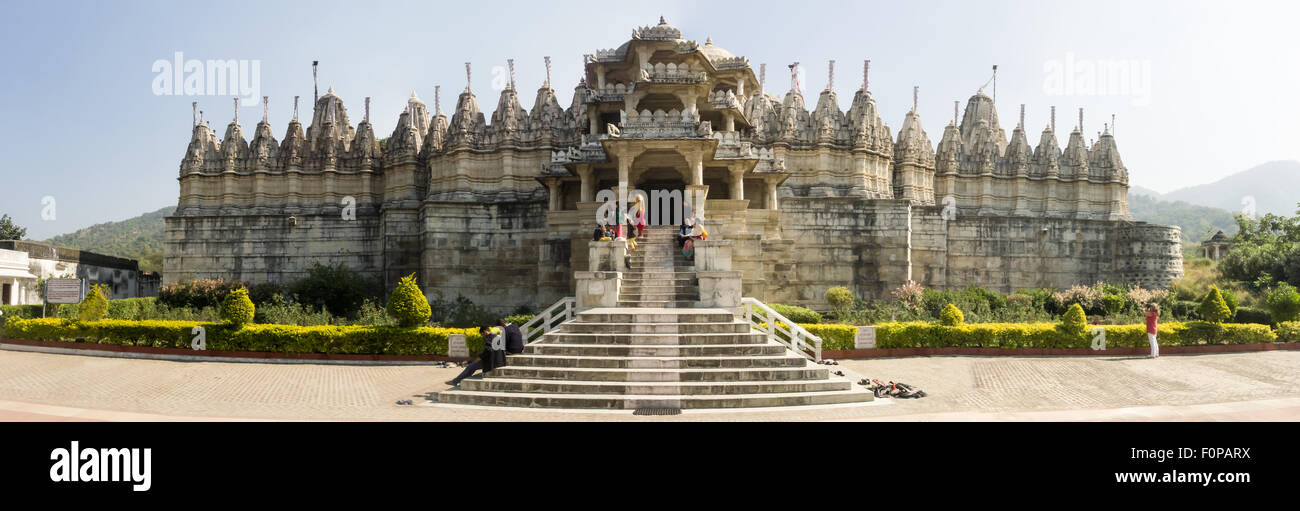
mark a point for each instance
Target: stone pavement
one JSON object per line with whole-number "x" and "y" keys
{"x": 1237, "y": 386}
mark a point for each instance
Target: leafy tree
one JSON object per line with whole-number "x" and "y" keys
{"x": 95, "y": 306}
{"x": 337, "y": 289}
{"x": 1213, "y": 308}
{"x": 840, "y": 298}
{"x": 1284, "y": 303}
{"x": 237, "y": 308}
{"x": 1267, "y": 246}
{"x": 408, "y": 304}
{"x": 11, "y": 231}
{"x": 951, "y": 316}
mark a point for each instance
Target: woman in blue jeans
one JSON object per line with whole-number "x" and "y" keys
{"x": 492, "y": 356}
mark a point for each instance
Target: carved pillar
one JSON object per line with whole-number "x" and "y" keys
{"x": 588, "y": 176}
{"x": 729, "y": 121}
{"x": 553, "y": 186}
{"x": 737, "y": 184}
{"x": 592, "y": 121}
{"x": 771, "y": 194}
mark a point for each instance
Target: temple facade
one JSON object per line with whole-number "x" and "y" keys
{"x": 500, "y": 209}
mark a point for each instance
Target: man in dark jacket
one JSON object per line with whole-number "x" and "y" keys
{"x": 514, "y": 338}
{"x": 492, "y": 356}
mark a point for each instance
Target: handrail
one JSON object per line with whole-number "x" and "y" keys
{"x": 546, "y": 321}
{"x": 780, "y": 329}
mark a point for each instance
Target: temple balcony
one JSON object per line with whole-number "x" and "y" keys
{"x": 725, "y": 100}
{"x": 671, "y": 73}
{"x": 610, "y": 93}
{"x": 661, "y": 124}
{"x": 589, "y": 151}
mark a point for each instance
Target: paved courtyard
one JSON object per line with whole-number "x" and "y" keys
{"x": 1238, "y": 386}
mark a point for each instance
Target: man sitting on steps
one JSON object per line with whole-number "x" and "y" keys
{"x": 514, "y": 338}
{"x": 492, "y": 356}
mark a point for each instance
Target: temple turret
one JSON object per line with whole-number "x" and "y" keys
{"x": 264, "y": 150}
{"x": 234, "y": 149}
{"x": 913, "y": 162}
{"x": 467, "y": 127}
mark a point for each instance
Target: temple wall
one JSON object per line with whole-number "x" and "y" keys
{"x": 488, "y": 253}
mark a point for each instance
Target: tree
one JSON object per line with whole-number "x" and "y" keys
{"x": 1267, "y": 246}
{"x": 11, "y": 231}
{"x": 408, "y": 304}
{"x": 337, "y": 289}
{"x": 237, "y": 309}
{"x": 841, "y": 299}
{"x": 951, "y": 316}
{"x": 1284, "y": 303}
{"x": 1074, "y": 322}
{"x": 1213, "y": 308}
{"x": 95, "y": 306}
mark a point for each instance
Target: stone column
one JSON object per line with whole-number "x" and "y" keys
{"x": 593, "y": 121}
{"x": 771, "y": 194}
{"x": 554, "y": 187}
{"x": 588, "y": 176}
{"x": 729, "y": 121}
{"x": 737, "y": 184}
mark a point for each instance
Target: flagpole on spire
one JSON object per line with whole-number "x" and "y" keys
{"x": 1022, "y": 117}
{"x": 916, "y": 94}
{"x": 955, "y": 105}
{"x": 1053, "y": 119}
{"x": 468, "y": 77}
{"x": 266, "y": 101}
{"x": 1080, "y": 120}
{"x": 194, "y": 105}
{"x": 548, "y": 71}
{"x": 830, "y": 78}
{"x": 367, "y": 109}
{"x": 437, "y": 99}
{"x": 315, "y": 85}
{"x": 236, "y": 121}
{"x": 794, "y": 77}
{"x": 295, "y": 109}
{"x": 866, "y": 75}
{"x": 762, "y": 78}
{"x": 510, "y": 63}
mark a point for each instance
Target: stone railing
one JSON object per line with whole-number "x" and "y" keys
{"x": 725, "y": 100}
{"x": 731, "y": 63}
{"x": 767, "y": 161}
{"x": 780, "y": 329}
{"x": 563, "y": 311}
{"x": 610, "y": 93}
{"x": 580, "y": 154}
{"x": 606, "y": 55}
{"x": 599, "y": 286}
{"x": 661, "y": 124}
{"x": 731, "y": 147}
{"x": 671, "y": 73}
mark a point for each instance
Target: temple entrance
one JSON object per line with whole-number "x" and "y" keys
{"x": 666, "y": 191}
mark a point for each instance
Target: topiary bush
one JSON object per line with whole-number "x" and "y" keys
{"x": 1284, "y": 303}
{"x": 1253, "y": 315}
{"x": 797, "y": 314}
{"x": 840, "y": 299}
{"x": 951, "y": 316}
{"x": 237, "y": 309}
{"x": 1213, "y": 308}
{"x": 1074, "y": 323}
{"x": 408, "y": 305}
{"x": 1113, "y": 304}
{"x": 95, "y": 306}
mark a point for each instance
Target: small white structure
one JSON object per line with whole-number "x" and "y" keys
{"x": 17, "y": 284}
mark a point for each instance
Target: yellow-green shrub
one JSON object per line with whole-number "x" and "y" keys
{"x": 951, "y": 316}
{"x": 237, "y": 308}
{"x": 94, "y": 306}
{"x": 1050, "y": 335}
{"x": 834, "y": 337}
{"x": 408, "y": 305}
{"x": 1288, "y": 331}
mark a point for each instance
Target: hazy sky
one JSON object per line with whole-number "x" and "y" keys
{"x": 1213, "y": 89}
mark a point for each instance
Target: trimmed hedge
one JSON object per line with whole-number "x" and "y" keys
{"x": 834, "y": 337}
{"x": 1288, "y": 331}
{"x": 367, "y": 340}
{"x": 796, "y": 313}
{"x": 1047, "y": 335}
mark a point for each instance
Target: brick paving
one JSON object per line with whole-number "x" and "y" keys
{"x": 1236, "y": 386}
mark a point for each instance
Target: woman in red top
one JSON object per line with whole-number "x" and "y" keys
{"x": 1153, "y": 320}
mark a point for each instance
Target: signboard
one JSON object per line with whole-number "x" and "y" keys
{"x": 63, "y": 291}
{"x": 456, "y": 346}
{"x": 866, "y": 338}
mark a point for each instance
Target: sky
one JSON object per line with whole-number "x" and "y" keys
{"x": 1210, "y": 89}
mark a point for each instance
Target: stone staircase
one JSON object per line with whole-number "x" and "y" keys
{"x": 656, "y": 350}
{"x": 658, "y": 275}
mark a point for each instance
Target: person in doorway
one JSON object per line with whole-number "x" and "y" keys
{"x": 640, "y": 217}
{"x": 1153, "y": 328}
{"x": 514, "y": 338}
{"x": 492, "y": 356}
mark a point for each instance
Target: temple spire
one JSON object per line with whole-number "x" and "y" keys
{"x": 866, "y": 75}
{"x": 830, "y": 78}
{"x": 548, "y": 71}
{"x": 266, "y": 108}
{"x": 236, "y": 121}
{"x": 315, "y": 86}
{"x": 469, "y": 78}
{"x": 510, "y": 63}
{"x": 194, "y": 105}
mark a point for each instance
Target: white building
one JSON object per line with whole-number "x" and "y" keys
{"x": 17, "y": 284}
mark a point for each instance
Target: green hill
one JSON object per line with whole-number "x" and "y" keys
{"x": 139, "y": 238}
{"x": 1198, "y": 222}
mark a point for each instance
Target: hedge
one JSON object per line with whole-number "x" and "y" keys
{"x": 834, "y": 337}
{"x": 1288, "y": 331}
{"x": 1049, "y": 335}
{"x": 368, "y": 340}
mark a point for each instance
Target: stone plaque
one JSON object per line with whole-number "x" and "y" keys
{"x": 866, "y": 338}
{"x": 63, "y": 291}
{"x": 456, "y": 346}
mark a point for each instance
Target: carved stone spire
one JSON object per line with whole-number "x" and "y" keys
{"x": 548, "y": 71}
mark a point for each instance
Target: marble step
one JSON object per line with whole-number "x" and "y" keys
{"x": 651, "y": 297}
{"x": 664, "y": 339}
{"x": 752, "y": 374}
{"x": 663, "y": 304}
{"x": 522, "y": 385}
{"x": 654, "y": 350}
{"x": 654, "y": 315}
{"x": 633, "y": 402}
{"x": 616, "y": 362}
{"x": 577, "y": 327}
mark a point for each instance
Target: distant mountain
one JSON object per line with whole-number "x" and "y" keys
{"x": 1273, "y": 187}
{"x": 139, "y": 238}
{"x": 1138, "y": 190}
{"x": 1197, "y": 222}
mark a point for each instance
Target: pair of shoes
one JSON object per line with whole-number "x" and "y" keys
{"x": 406, "y": 402}
{"x": 451, "y": 383}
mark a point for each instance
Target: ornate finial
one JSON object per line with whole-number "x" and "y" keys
{"x": 1053, "y": 124}
{"x": 794, "y": 77}
{"x": 762, "y": 77}
{"x": 236, "y": 121}
{"x": 661, "y": 20}
{"x": 194, "y": 105}
{"x": 468, "y": 77}
{"x": 437, "y": 99}
{"x": 548, "y": 71}
{"x": 830, "y": 78}
{"x": 866, "y": 74}
{"x": 1022, "y": 116}
{"x": 266, "y": 101}
{"x": 916, "y": 94}
{"x": 201, "y": 117}
{"x": 1080, "y": 119}
{"x": 1112, "y": 123}
{"x": 295, "y": 109}
{"x": 708, "y": 41}
{"x": 510, "y": 63}
{"x": 955, "y": 103}
{"x": 367, "y": 109}
{"x": 315, "y": 86}
{"x": 995, "y": 85}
